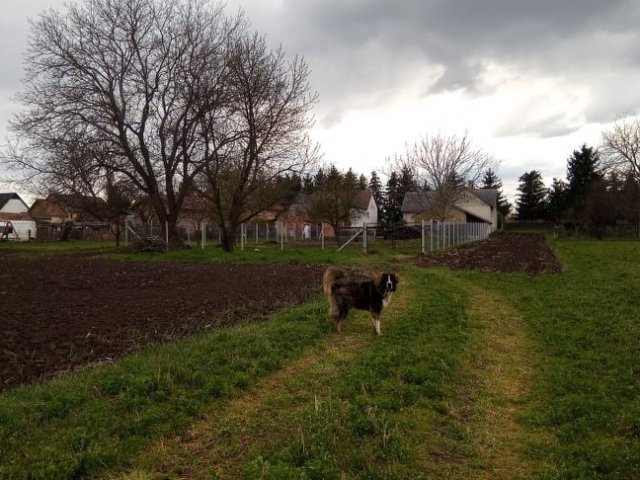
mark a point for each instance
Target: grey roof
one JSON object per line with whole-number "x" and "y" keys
{"x": 418, "y": 201}
{"x": 487, "y": 195}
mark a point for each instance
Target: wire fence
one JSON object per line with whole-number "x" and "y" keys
{"x": 424, "y": 237}
{"x": 413, "y": 238}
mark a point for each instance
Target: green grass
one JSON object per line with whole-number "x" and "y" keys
{"x": 76, "y": 425}
{"x": 321, "y": 406}
{"x": 384, "y": 414}
{"x": 585, "y": 324}
{"x": 379, "y": 253}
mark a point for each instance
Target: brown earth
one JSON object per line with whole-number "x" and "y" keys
{"x": 62, "y": 311}
{"x": 505, "y": 252}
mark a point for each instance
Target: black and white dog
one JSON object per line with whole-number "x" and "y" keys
{"x": 347, "y": 289}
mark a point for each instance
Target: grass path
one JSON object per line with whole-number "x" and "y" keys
{"x": 500, "y": 370}
{"x": 267, "y": 414}
{"x": 487, "y": 403}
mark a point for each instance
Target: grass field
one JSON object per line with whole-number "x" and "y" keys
{"x": 483, "y": 376}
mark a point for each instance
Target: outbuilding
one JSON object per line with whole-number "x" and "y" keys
{"x": 17, "y": 227}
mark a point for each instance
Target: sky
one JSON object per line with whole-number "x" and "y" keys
{"x": 530, "y": 81}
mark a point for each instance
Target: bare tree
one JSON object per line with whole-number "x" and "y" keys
{"x": 620, "y": 148}
{"x": 131, "y": 80}
{"x": 262, "y": 139}
{"x": 446, "y": 165}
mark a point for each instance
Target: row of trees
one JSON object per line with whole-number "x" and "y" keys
{"x": 602, "y": 187}
{"x": 160, "y": 99}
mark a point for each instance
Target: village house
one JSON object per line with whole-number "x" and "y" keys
{"x": 15, "y": 222}
{"x": 473, "y": 206}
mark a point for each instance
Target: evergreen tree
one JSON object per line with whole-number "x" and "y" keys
{"x": 532, "y": 199}
{"x": 583, "y": 176}
{"x": 558, "y": 199}
{"x": 319, "y": 179}
{"x": 490, "y": 181}
{"x": 392, "y": 213}
{"x": 350, "y": 179}
{"x": 362, "y": 182}
{"x": 376, "y": 189}
{"x": 307, "y": 184}
{"x": 406, "y": 181}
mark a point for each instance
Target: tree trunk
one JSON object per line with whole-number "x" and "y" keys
{"x": 227, "y": 241}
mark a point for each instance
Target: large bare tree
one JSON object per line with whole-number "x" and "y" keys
{"x": 131, "y": 81}
{"x": 620, "y": 148}
{"x": 262, "y": 139}
{"x": 447, "y": 165}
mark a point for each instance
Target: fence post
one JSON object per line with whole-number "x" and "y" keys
{"x": 365, "y": 246}
{"x": 242, "y": 227}
{"x": 126, "y": 231}
{"x": 322, "y": 235}
{"x": 203, "y": 234}
{"x": 166, "y": 234}
{"x": 431, "y": 235}
{"x": 281, "y": 236}
{"x": 422, "y": 237}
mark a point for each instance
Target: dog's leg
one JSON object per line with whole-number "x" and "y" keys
{"x": 386, "y": 299}
{"x": 375, "y": 318}
{"x": 337, "y": 322}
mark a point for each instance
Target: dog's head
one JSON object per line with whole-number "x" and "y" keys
{"x": 388, "y": 282}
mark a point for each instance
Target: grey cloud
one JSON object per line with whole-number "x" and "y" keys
{"x": 373, "y": 45}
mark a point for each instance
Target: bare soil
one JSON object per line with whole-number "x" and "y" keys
{"x": 505, "y": 252}
{"x": 63, "y": 311}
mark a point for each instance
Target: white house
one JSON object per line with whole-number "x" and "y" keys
{"x": 15, "y": 221}
{"x": 366, "y": 209}
{"x": 474, "y": 205}
{"x": 12, "y": 203}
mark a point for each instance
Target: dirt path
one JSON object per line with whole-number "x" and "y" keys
{"x": 501, "y": 371}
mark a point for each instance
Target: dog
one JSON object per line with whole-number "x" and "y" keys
{"x": 347, "y": 289}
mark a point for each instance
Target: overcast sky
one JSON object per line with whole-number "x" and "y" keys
{"x": 530, "y": 81}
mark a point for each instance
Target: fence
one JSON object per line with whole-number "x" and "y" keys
{"x": 423, "y": 237}
{"x": 53, "y": 232}
{"x": 411, "y": 238}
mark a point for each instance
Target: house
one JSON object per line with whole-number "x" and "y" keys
{"x": 54, "y": 214}
{"x": 297, "y": 218}
{"x": 59, "y": 208}
{"x": 12, "y": 203}
{"x": 474, "y": 205}
{"x": 15, "y": 222}
{"x": 366, "y": 209}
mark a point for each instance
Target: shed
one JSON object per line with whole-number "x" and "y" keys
{"x": 22, "y": 227}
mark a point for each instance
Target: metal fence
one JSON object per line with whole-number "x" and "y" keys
{"x": 422, "y": 237}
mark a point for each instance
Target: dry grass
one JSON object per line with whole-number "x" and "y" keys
{"x": 501, "y": 371}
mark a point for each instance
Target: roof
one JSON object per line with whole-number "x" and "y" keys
{"x": 362, "y": 199}
{"x": 14, "y": 217}
{"x": 487, "y": 195}
{"x": 46, "y": 208}
{"x": 5, "y": 197}
{"x": 418, "y": 201}
{"x": 59, "y": 205}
